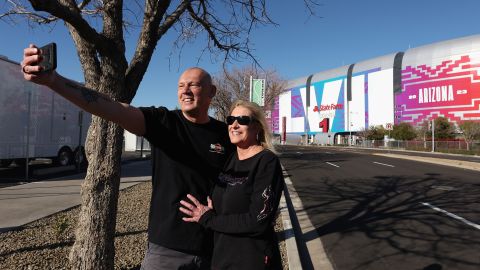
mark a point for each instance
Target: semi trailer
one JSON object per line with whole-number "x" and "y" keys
{"x": 35, "y": 122}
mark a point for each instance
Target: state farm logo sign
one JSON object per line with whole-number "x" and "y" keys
{"x": 328, "y": 107}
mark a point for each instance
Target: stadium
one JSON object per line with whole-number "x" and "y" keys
{"x": 436, "y": 80}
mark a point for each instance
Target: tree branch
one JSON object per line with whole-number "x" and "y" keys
{"x": 151, "y": 32}
{"x": 88, "y": 59}
{"x": 69, "y": 12}
{"x": 231, "y": 35}
{"x": 113, "y": 21}
{"x": 84, "y": 4}
{"x": 18, "y": 9}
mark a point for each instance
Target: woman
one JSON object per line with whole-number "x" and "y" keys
{"x": 245, "y": 198}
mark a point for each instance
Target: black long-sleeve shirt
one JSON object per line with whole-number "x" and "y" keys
{"x": 245, "y": 200}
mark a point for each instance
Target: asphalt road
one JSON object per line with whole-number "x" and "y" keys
{"x": 375, "y": 212}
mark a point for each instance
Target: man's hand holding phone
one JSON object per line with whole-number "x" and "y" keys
{"x": 49, "y": 57}
{"x": 39, "y": 64}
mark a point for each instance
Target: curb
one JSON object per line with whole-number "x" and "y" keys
{"x": 300, "y": 254}
{"x": 469, "y": 165}
{"x": 293, "y": 258}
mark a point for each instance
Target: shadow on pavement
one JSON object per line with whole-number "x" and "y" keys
{"x": 387, "y": 221}
{"x": 389, "y": 215}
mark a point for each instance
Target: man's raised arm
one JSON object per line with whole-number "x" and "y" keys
{"x": 128, "y": 117}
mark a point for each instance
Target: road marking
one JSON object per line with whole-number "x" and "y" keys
{"x": 328, "y": 153}
{"x": 332, "y": 164}
{"x": 446, "y": 188}
{"x": 383, "y": 164}
{"x": 476, "y": 226}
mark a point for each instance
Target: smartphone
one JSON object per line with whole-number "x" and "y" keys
{"x": 49, "y": 57}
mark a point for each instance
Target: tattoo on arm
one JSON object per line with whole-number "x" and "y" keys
{"x": 88, "y": 94}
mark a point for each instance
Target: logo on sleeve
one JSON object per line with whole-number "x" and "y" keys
{"x": 217, "y": 148}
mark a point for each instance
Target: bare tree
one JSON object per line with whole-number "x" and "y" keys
{"x": 363, "y": 134}
{"x": 470, "y": 130}
{"x": 422, "y": 129}
{"x": 97, "y": 29}
{"x": 235, "y": 84}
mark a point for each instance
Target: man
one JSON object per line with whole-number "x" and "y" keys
{"x": 190, "y": 149}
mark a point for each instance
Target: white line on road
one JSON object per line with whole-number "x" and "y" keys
{"x": 332, "y": 164}
{"x": 383, "y": 164}
{"x": 446, "y": 188}
{"x": 476, "y": 226}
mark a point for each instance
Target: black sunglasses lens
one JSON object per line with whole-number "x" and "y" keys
{"x": 242, "y": 120}
{"x": 230, "y": 120}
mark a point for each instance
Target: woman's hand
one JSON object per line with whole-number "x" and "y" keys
{"x": 195, "y": 210}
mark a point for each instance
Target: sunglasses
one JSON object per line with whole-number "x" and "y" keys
{"x": 242, "y": 120}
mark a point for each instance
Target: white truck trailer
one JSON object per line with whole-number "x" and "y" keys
{"x": 35, "y": 122}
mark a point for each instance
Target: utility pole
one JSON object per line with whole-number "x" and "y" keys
{"x": 350, "y": 137}
{"x": 306, "y": 123}
{"x": 350, "y": 126}
{"x": 307, "y": 105}
{"x": 27, "y": 148}
{"x": 79, "y": 152}
{"x": 251, "y": 80}
{"x": 433, "y": 135}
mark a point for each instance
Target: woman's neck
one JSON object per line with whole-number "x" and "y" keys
{"x": 248, "y": 152}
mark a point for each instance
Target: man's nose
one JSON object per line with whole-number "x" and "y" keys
{"x": 185, "y": 89}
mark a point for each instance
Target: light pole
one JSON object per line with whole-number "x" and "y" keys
{"x": 350, "y": 128}
{"x": 350, "y": 138}
{"x": 433, "y": 135}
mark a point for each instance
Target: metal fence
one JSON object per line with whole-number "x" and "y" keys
{"x": 454, "y": 147}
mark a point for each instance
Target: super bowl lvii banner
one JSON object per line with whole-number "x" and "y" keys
{"x": 257, "y": 94}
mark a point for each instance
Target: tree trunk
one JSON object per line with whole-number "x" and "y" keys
{"x": 94, "y": 243}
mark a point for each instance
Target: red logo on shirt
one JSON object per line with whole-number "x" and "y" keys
{"x": 217, "y": 148}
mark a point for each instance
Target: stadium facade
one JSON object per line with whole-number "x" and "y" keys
{"x": 420, "y": 84}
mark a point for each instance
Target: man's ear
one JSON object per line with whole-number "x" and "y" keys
{"x": 213, "y": 91}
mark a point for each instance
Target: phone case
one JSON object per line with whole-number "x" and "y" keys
{"x": 49, "y": 57}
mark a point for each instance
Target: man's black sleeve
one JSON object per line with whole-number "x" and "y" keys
{"x": 156, "y": 120}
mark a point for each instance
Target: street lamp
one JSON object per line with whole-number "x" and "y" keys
{"x": 350, "y": 129}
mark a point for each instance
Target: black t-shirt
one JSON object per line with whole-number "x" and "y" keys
{"x": 187, "y": 158}
{"x": 245, "y": 201}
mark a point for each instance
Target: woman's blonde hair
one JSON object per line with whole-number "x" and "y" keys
{"x": 264, "y": 136}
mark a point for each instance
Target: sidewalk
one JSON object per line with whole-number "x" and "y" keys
{"x": 435, "y": 160}
{"x": 25, "y": 203}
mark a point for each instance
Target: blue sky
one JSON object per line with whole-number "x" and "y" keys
{"x": 347, "y": 32}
